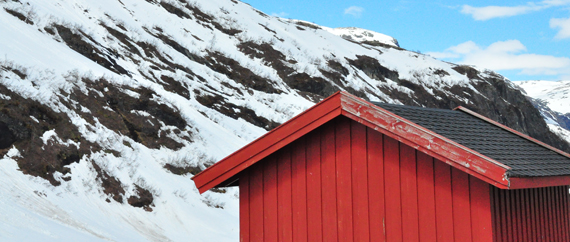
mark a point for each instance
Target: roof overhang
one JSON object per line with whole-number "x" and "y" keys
{"x": 536, "y": 182}
{"x": 344, "y": 104}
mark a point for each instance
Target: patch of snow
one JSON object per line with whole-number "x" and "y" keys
{"x": 35, "y": 120}
{"x": 141, "y": 113}
{"x": 51, "y": 135}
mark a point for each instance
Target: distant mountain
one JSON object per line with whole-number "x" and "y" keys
{"x": 364, "y": 36}
{"x": 555, "y": 93}
{"x": 108, "y": 108}
{"x": 552, "y": 99}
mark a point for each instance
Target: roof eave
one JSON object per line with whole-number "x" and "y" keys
{"x": 537, "y": 182}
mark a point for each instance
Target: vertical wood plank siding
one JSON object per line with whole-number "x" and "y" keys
{"x": 270, "y": 200}
{"x": 537, "y": 214}
{"x": 328, "y": 169}
{"x": 347, "y": 182}
{"x": 284, "y": 193}
{"x": 244, "y": 206}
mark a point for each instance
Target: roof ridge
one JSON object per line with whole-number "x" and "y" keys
{"x": 412, "y": 107}
{"x": 493, "y": 122}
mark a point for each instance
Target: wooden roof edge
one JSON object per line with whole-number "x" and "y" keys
{"x": 493, "y": 122}
{"x": 500, "y": 169}
{"x": 259, "y": 148}
{"x": 538, "y": 182}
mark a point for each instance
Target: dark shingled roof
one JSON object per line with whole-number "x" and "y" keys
{"x": 526, "y": 158}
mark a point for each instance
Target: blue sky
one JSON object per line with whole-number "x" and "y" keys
{"x": 521, "y": 40}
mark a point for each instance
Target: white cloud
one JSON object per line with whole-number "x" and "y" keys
{"x": 281, "y": 14}
{"x": 563, "y": 24}
{"x": 490, "y": 12}
{"x": 555, "y": 2}
{"x": 506, "y": 55}
{"x": 464, "y": 48}
{"x": 354, "y": 11}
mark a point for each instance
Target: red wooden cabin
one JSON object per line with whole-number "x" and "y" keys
{"x": 351, "y": 170}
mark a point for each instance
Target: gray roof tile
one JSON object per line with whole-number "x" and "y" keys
{"x": 526, "y": 158}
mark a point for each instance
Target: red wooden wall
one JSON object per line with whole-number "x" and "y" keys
{"x": 347, "y": 182}
{"x": 538, "y": 214}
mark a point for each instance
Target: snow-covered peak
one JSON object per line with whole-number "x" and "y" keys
{"x": 555, "y": 93}
{"x": 363, "y": 35}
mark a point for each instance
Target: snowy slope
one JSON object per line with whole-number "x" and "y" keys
{"x": 556, "y": 94}
{"x": 562, "y": 132}
{"x": 107, "y": 108}
{"x": 553, "y": 100}
{"x": 363, "y": 35}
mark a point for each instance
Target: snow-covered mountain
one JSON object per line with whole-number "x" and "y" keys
{"x": 364, "y": 36}
{"x": 553, "y": 100}
{"x": 555, "y": 93}
{"x": 107, "y": 108}
{"x": 562, "y": 132}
